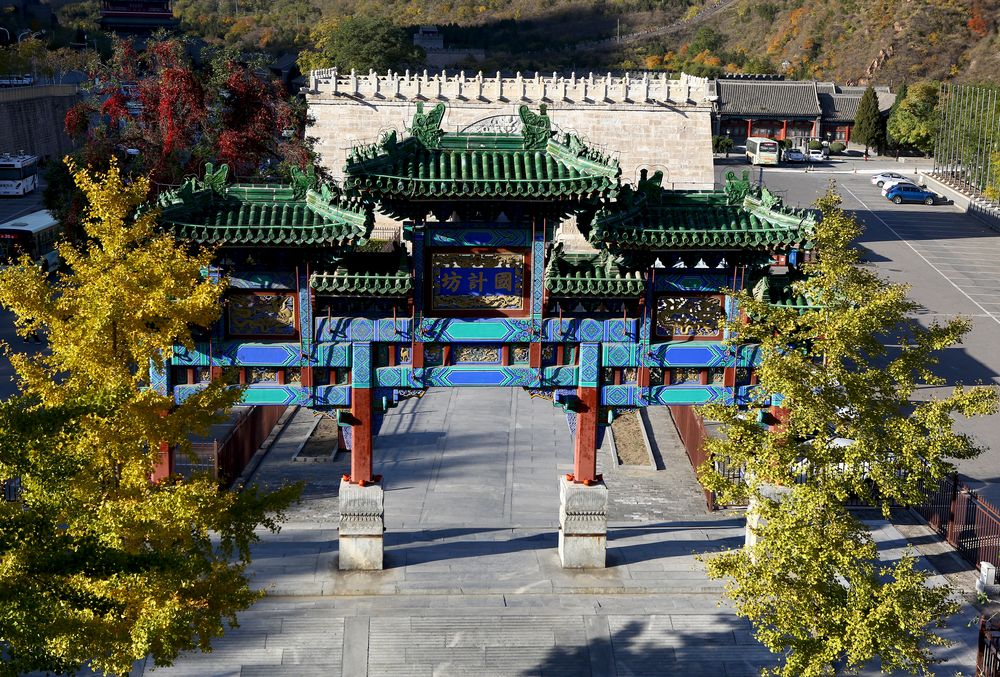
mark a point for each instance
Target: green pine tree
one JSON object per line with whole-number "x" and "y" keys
{"x": 869, "y": 127}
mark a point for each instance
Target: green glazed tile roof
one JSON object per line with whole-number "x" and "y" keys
{"x": 368, "y": 274}
{"x": 744, "y": 217}
{"x": 430, "y": 164}
{"x": 777, "y": 290}
{"x": 590, "y": 275}
{"x": 212, "y": 212}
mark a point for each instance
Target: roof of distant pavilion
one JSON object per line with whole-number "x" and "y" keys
{"x": 741, "y": 216}
{"x": 530, "y": 164}
{"x": 210, "y": 211}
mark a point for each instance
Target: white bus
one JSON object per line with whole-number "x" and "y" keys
{"x": 762, "y": 151}
{"x": 35, "y": 234}
{"x": 18, "y": 173}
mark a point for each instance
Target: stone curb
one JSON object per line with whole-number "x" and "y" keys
{"x": 258, "y": 456}
{"x": 609, "y": 435}
{"x": 305, "y": 440}
{"x": 645, "y": 426}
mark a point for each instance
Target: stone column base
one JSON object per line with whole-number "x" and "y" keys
{"x": 361, "y": 527}
{"x": 583, "y": 525}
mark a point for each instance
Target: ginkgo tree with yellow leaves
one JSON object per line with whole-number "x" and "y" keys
{"x": 847, "y": 369}
{"x": 100, "y": 566}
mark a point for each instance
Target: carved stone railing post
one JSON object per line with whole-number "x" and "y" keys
{"x": 362, "y": 526}
{"x": 583, "y": 524}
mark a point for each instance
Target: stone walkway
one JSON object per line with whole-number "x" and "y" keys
{"x": 472, "y": 584}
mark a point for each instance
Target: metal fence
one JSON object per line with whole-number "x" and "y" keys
{"x": 967, "y": 521}
{"x": 225, "y": 459}
{"x": 967, "y": 148}
{"x": 988, "y": 657}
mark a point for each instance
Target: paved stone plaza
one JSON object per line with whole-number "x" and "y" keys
{"x": 472, "y": 584}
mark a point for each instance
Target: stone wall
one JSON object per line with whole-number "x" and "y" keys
{"x": 32, "y": 119}
{"x": 650, "y": 122}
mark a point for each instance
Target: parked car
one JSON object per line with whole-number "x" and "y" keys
{"x": 793, "y": 155}
{"x": 881, "y": 178}
{"x": 889, "y": 186}
{"x": 902, "y": 192}
{"x": 895, "y": 182}
{"x": 818, "y": 155}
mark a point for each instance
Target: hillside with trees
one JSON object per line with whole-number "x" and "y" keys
{"x": 851, "y": 41}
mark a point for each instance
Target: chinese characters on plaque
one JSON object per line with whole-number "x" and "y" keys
{"x": 474, "y": 281}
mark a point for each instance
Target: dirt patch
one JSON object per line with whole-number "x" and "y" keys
{"x": 323, "y": 442}
{"x": 628, "y": 440}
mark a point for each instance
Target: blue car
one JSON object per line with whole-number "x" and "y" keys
{"x": 903, "y": 192}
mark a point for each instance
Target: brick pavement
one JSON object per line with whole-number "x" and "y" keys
{"x": 472, "y": 584}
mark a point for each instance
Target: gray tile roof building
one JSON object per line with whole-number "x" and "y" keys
{"x": 759, "y": 98}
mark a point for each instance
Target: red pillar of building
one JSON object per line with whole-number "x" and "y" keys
{"x": 164, "y": 466}
{"x": 361, "y": 435}
{"x": 749, "y": 128}
{"x": 784, "y": 129}
{"x": 585, "y": 447}
{"x": 847, "y": 134}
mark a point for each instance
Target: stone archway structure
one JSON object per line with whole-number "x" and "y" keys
{"x": 482, "y": 294}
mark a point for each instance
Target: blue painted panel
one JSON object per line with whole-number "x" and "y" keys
{"x": 183, "y": 392}
{"x": 481, "y": 376}
{"x": 501, "y": 236}
{"x": 707, "y": 282}
{"x": 239, "y": 354}
{"x": 595, "y": 331}
{"x": 361, "y": 365}
{"x": 332, "y": 396}
{"x": 622, "y": 396}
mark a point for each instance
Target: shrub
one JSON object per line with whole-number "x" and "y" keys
{"x": 722, "y": 144}
{"x": 785, "y": 144}
{"x": 837, "y": 147}
{"x": 815, "y": 145}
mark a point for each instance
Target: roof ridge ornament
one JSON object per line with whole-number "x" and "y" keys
{"x": 303, "y": 181}
{"x": 426, "y": 127}
{"x": 216, "y": 178}
{"x": 537, "y": 128}
{"x": 735, "y": 189}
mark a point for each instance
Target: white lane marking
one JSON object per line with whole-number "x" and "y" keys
{"x": 915, "y": 251}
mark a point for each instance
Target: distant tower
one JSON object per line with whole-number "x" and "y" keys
{"x": 136, "y": 16}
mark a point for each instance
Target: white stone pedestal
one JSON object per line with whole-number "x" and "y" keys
{"x": 361, "y": 526}
{"x": 583, "y": 525}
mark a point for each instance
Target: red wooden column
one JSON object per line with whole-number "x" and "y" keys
{"x": 784, "y": 129}
{"x": 361, "y": 435}
{"x": 749, "y": 128}
{"x": 361, "y": 413}
{"x": 585, "y": 447}
{"x": 588, "y": 411}
{"x": 164, "y": 466}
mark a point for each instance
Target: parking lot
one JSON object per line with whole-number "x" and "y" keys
{"x": 950, "y": 260}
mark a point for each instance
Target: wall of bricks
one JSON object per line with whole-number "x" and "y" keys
{"x": 649, "y": 123}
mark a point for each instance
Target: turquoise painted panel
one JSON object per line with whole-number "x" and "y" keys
{"x": 333, "y": 354}
{"x": 363, "y": 329}
{"x": 287, "y": 395}
{"x": 481, "y": 377}
{"x": 620, "y": 354}
{"x": 332, "y": 396}
{"x": 361, "y": 365}
{"x": 689, "y": 394}
{"x": 495, "y": 330}
{"x": 261, "y": 280}
{"x": 594, "y": 331}
{"x": 559, "y": 376}
{"x": 590, "y": 364}
{"x": 395, "y": 377}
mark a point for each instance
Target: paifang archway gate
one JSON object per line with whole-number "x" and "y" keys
{"x": 485, "y": 294}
